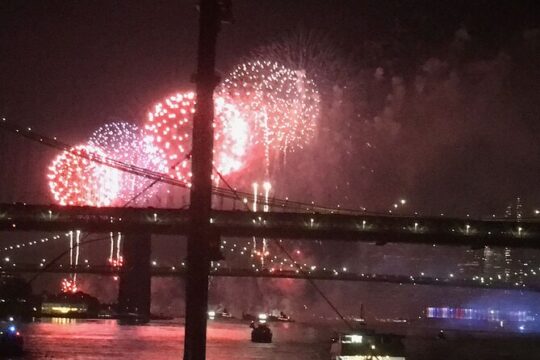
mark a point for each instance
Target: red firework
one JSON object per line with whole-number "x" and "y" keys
{"x": 282, "y": 104}
{"x": 69, "y": 286}
{"x": 170, "y": 124}
{"x": 74, "y": 179}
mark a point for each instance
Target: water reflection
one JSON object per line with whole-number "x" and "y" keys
{"x": 61, "y": 338}
{"x": 106, "y": 339}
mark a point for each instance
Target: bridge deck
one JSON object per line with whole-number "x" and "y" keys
{"x": 370, "y": 228}
{"x": 163, "y": 271}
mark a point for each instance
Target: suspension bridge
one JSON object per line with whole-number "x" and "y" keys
{"x": 320, "y": 274}
{"x": 289, "y": 225}
{"x": 276, "y": 219}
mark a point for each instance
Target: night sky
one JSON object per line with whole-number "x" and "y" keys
{"x": 440, "y": 104}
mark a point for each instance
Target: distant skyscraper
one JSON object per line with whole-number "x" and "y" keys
{"x": 510, "y": 265}
{"x": 514, "y": 270}
{"x": 514, "y": 210}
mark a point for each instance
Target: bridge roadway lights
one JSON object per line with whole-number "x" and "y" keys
{"x": 134, "y": 290}
{"x": 305, "y": 226}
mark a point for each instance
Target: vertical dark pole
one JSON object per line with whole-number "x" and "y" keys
{"x": 134, "y": 289}
{"x": 198, "y": 257}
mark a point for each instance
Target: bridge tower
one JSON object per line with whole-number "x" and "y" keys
{"x": 134, "y": 290}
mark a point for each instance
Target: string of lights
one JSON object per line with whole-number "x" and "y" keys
{"x": 516, "y": 279}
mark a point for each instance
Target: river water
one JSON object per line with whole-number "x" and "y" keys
{"x": 105, "y": 339}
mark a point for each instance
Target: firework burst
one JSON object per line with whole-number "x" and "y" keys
{"x": 74, "y": 179}
{"x": 282, "y": 108}
{"x": 282, "y": 105}
{"x": 170, "y": 124}
{"x": 126, "y": 143}
{"x": 316, "y": 52}
{"x": 69, "y": 286}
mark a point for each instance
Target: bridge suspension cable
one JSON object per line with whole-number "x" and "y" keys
{"x": 228, "y": 192}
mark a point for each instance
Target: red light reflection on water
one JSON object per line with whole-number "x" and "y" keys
{"x": 105, "y": 339}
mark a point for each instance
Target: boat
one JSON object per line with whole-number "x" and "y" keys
{"x": 70, "y": 305}
{"x": 248, "y": 317}
{"x": 261, "y": 333}
{"x": 11, "y": 340}
{"x": 282, "y": 317}
{"x": 367, "y": 344}
{"x": 270, "y": 317}
{"x": 221, "y": 314}
{"x": 132, "y": 319}
{"x": 224, "y": 314}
